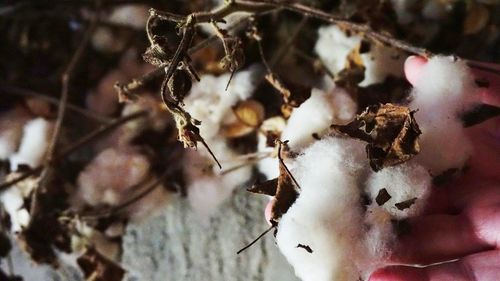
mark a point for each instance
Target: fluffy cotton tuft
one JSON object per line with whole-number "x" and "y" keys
{"x": 36, "y": 137}
{"x": 381, "y": 62}
{"x": 316, "y": 115}
{"x": 444, "y": 90}
{"x": 134, "y": 16}
{"x": 333, "y": 47}
{"x": 327, "y": 216}
{"x": 403, "y": 182}
{"x": 210, "y": 103}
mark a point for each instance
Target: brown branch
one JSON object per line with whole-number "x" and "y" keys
{"x": 280, "y": 158}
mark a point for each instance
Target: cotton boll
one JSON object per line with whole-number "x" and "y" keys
{"x": 210, "y": 103}
{"x": 403, "y": 182}
{"x": 333, "y": 47}
{"x": 13, "y": 203}
{"x": 134, "y": 16}
{"x": 34, "y": 144}
{"x": 381, "y": 62}
{"x": 107, "y": 179}
{"x": 316, "y": 114}
{"x": 268, "y": 166}
{"x": 444, "y": 90}
{"x": 327, "y": 215}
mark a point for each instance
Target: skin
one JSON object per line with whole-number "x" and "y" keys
{"x": 461, "y": 224}
{"x": 462, "y": 220}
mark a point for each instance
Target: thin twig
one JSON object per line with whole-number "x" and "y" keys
{"x": 66, "y": 77}
{"x": 116, "y": 209}
{"x": 256, "y": 239}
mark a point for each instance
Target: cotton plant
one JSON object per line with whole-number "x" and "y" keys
{"x": 343, "y": 224}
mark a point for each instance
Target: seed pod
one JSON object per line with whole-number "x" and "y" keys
{"x": 179, "y": 85}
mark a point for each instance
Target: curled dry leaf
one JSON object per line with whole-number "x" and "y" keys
{"x": 284, "y": 188}
{"x": 249, "y": 115}
{"x": 179, "y": 85}
{"x": 96, "y": 267}
{"x": 291, "y": 98}
{"x": 390, "y": 130}
{"x": 477, "y": 18}
{"x": 405, "y": 204}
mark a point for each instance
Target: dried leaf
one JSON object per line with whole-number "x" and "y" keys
{"x": 268, "y": 187}
{"x": 236, "y": 130}
{"x": 405, "y": 204}
{"x": 179, "y": 85}
{"x": 305, "y": 247}
{"x": 291, "y": 98}
{"x": 477, "y": 18}
{"x": 382, "y": 197}
{"x": 391, "y": 132}
{"x": 250, "y": 112}
{"x": 96, "y": 267}
{"x": 287, "y": 189}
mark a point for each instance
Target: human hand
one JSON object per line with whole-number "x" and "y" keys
{"x": 462, "y": 221}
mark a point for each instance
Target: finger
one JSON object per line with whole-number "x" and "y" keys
{"x": 472, "y": 189}
{"x": 437, "y": 238}
{"x": 482, "y": 266}
{"x": 413, "y": 68}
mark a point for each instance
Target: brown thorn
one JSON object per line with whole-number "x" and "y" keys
{"x": 210, "y": 152}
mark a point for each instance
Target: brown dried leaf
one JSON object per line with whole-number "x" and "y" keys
{"x": 96, "y": 267}
{"x": 268, "y": 187}
{"x": 291, "y": 98}
{"x": 405, "y": 204}
{"x": 391, "y": 132}
{"x": 477, "y": 18}
{"x": 250, "y": 112}
{"x": 382, "y": 197}
{"x": 287, "y": 189}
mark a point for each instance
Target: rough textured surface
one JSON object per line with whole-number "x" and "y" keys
{"x": 179, "y": 245}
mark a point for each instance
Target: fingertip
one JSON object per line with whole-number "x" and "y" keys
{"x": 413, "y": 68}
{"x": 267, "y": 211}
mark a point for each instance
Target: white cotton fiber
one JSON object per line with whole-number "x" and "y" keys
{"x": 210, "y": 103}
{"x": 11, "y": 130}
{"x": 327, "y": 216}
{"x": 444, "y": 90}
{"x": 381, "y": 62}
{"x": 403, "y": 182}
{"x": 316, "y": 114}
{"x": 34, "y": 143}
{"x": 333, "y": 47}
